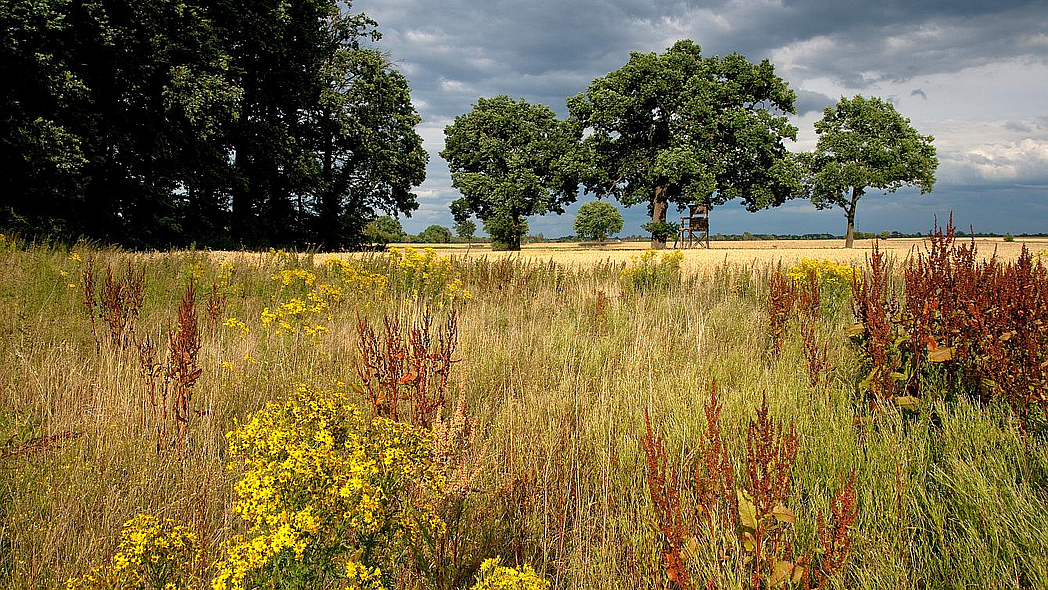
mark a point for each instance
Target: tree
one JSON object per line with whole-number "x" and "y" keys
{"x": 465, "y": 229}
{"x": 384, "y": 230}
{"x": 683, "y": 129}
{"x": 435, "y": 234}
{"x": 865, "y": 143}
{"x": 511, "y": 159}
{"x": 163, "y": 122}
{"x": 370, "y": 154}
{"x": 598, "y": 220}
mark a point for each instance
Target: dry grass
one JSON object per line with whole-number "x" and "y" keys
{"x": 756, "y": 254}
{"x": 561, "y": 361}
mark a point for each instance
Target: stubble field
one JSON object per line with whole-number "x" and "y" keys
{"x": 564, "y": 420}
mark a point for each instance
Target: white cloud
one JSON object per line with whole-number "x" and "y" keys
{"x": 1020, "y": 162}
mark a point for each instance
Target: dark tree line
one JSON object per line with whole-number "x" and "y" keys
{"x": 165, "y": 122}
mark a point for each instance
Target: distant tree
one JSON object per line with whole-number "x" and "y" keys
{"x": 682, "y": 128}
{"x": 865, "y": 143}
{"x": 435, "y": 234}
{"x": 597, "y": 220}
{"x": 511, "y": 159}
{"x": 384, "y": 230}
{"x": 465, "y": 229}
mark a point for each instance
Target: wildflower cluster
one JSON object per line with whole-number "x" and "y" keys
{"x": 426, "y": 275}
{"x": 330, "y": 495}
{"x": 828, "y": 273}
{"x": 237, "y": 325}
{"x": 648, "y": 272}
{"x": 494, "y": 576}
{"x": 308, "y": 301}
{"x": 153, "y": 553}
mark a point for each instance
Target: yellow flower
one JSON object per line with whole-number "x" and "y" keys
{"x": 237, "y": 324}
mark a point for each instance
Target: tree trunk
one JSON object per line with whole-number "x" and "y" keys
{"x": 849, "y": 238}
{"x": 658, "y": 215}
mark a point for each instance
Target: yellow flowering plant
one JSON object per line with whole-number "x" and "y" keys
{"x": 649, "y": 272}
{"x": 153, "y": 554}
{"x": 829, "y": 273}
{"x": 329, "y": 494}
{"x": 426, "y": 275}
{"x": 494, "y": 576}
{"x": 307, "y": 298}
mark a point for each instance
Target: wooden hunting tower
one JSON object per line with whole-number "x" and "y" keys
{"x": 695, "y": 228}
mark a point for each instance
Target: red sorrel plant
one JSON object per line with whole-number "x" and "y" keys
{"x": 781, "y": 299}
{"x": 835, "y": 535}
{"x": 414, "y": 371}
{"x": 749, "y": 529}
{"x": 120, "y": 304}
{"x": 170, "y": 385}
{"x": 664, "y": 488}
{"x": 117, "y": 304}
{"x": 182, "y": 369}
{"x": 216, "y": 305}
{"x": 874, "y": 307}
{"x": 983, "y": 327}
{"x": 809, "y": 304}
{"x": 771, "y": 451}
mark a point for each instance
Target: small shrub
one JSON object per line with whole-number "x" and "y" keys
{"x": 153, "y": 554}
{"x": 330, "y": 495}
{"x": 497, "y": 577}
{"x": 650, "y": 272}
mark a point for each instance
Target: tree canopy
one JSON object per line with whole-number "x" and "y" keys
{"x": 384, "y": 230}
{"x": 681, "y": 128}
{"x": 172, "y": 121}
{"x": 435, "y": 234}
{"x": 511, "y": 159}
{"x": 865, "y": 143}
{"x": 597, "y": 220}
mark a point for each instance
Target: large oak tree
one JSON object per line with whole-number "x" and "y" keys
{"x": 681, "y": 128}
{"x": 511, "y": 159}
{"x": 865, "y": 143}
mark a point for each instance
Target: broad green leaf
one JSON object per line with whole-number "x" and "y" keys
{"x": 784, "y": 514}
{"x": 907, "y": 402}
{"x": 747, "y": 510}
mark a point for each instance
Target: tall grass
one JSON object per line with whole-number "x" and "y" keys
{"x": 559, "y": 366}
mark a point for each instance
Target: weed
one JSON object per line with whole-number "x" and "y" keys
{"x": 647, "y": 273}
{"x": 782, "y": 296}
{"x": 748, "y": 529}
{"x": 809, "y": 307}
{"x": 413, "y": 370}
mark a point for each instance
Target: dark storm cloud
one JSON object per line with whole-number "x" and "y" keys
{"x": 919, "y": 92}
{"x": 812, "y": 102}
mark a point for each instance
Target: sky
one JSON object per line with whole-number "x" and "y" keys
{"x": 971, "y": 73}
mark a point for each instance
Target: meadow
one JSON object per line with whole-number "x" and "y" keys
{"x": 744, "y": 417}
